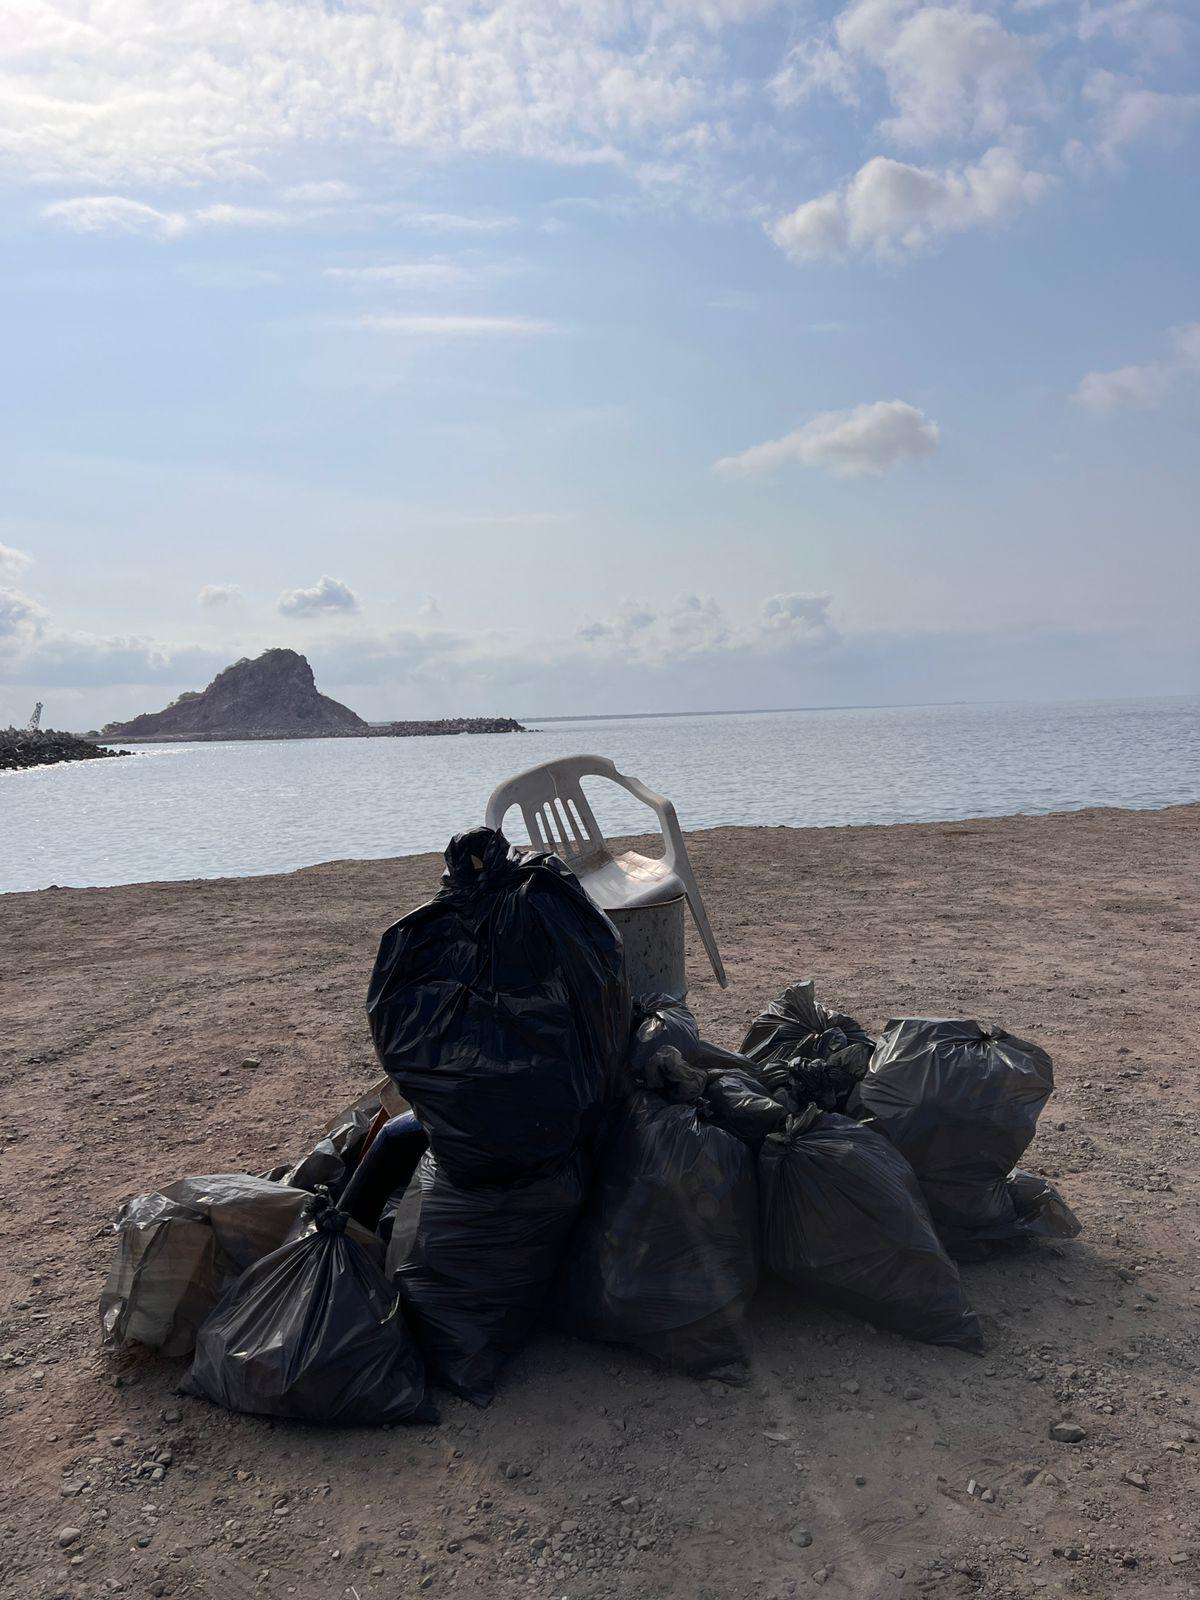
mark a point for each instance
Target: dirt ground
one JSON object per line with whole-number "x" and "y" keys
{"x": 844, "y": 1467}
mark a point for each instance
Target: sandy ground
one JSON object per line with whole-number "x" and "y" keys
{"x": 126, "y": 1015}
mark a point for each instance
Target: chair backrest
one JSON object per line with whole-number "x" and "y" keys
{"x": 555, "y": 808}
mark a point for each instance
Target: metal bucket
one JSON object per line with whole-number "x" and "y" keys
{"x": 653, "y": 938}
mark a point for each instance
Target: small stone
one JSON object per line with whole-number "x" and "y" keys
{"x": 251, "y": 1061}
{"x": 510, "y": 1469}
{"x": 143, "y": 1541}
{"x": 172, "y": 1416}
{"x": 913, "y": 1394}
{"x": 1179, "y": 1559}
{"x": 631, "y": 1503}
{"x": 67, "y": 1537}
{"x": 1068, "y": 1433}
{"x": 852, "y": 1387}
{"x": 822, "y": 1575}
{"x": 1137, "y": 1479}
{"x": 988, "y": 1497}
{"x": 860, "y": 1481}
{"x": 801, "y": 1537}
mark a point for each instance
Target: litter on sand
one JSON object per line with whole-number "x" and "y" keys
{"x": 548, "y": 1151}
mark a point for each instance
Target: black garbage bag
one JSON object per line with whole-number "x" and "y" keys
{"x": 1041, "y": 1210}
{"x": 313, "y": 1332}
{"x": 479, "y": 1267}
{"x": 798, "y": 1025}
{"x": 331, "y": 1162}
{"x": 843, "y": 1217}
{"x": 961, "y": 1102}
{"x": 179, "y": 1248}
{"x": 501, "y": 1012}
{"x": 666, "y": 1254}
{"x": 737, "y": 1102}
{"x": 661, "y": 1022}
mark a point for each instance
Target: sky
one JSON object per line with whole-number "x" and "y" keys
{"x": 525, "y": 358}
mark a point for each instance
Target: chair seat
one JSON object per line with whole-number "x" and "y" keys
{"x": 621, "y": 883}
{"x": 559, "y": 818}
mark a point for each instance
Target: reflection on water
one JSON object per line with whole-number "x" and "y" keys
{"x": 217, "y": 810}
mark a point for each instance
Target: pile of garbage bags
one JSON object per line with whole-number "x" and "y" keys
{"x": 545, "y": 1150}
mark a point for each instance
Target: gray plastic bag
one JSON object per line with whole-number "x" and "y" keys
{"x": 178, "y": 1248}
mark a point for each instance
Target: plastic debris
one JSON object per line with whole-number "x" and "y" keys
{"x": 843, "y": 1218}
{"x": 178, "y": 1248}
{"x": 480, "y": 1265}
{"x": 666, "y": 1256}
{"x": 501, "y": 1012}
{"x": 314, "y": 1332}
{"x": 961, "y": 1102}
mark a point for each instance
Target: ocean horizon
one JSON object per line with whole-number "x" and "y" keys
{"x": 239, "y": 808}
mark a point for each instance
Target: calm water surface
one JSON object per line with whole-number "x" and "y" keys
{"x": 220, "y": 810}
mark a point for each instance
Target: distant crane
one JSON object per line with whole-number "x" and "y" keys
{"x": 35, "y": 719}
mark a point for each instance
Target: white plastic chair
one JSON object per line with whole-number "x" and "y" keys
{"x": 559, "y": 818}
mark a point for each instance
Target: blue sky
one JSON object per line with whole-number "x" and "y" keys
{"x": 534, "y": 359}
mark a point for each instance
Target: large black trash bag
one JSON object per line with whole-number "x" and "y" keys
{"x": 500, "y": 1010}
{"x": 313, "y": 1332}
{"x": 961, "y": 1102}
{"x": 666, "y": 1254}
{"x": 843, "y": 1218}
{"x": 797, "y": 1024}
{"x": 479, "y": 1267}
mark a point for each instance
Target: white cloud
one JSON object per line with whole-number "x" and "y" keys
{"x": 1150, "y": 27}
{"x": 216, "y": 596}
{"x": 1128, "y": 112}
{"x": 436, "y": 274}
{"x": 862, "y": 443}
{"x": 456, "y": 326}
{"x": 796, "y": 615}
{"x": 458, "y": 222}
{"x": 224, "y": 215}
{"x": 328, "y": 597}
{"x": 695, "y": 627}
{"x": 13, "y": 560}
{"x": 319, "y": 192}
{"x": 204, "y": 90}
{"x": 890, "y": 209}
{"x": 21, "y": 619}
{"x": 1143, "y": 388}
{"x": 114, "y": 213}
{"x": 949, "y": 71}
{"x": 815, "y": 66}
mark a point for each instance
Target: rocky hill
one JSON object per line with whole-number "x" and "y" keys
{"x": 272, "y": 697}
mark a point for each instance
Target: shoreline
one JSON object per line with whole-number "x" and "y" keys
{"x": 625, "y": 841}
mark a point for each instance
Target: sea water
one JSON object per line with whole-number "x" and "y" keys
{"x": 217, "y": 810}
